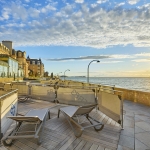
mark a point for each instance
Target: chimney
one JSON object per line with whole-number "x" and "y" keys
{"x": 8, "y": 44}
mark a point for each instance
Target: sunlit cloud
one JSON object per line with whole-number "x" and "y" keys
{"x": 110, "y": 62}
{"x": 141, "y": 60}
{"x": 122, "y": 56}
{"x": 143, "y": 55}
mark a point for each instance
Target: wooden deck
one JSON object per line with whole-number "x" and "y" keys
{"x": 59, "y": 136}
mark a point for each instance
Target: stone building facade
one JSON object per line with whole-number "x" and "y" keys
{"x": 33, "y": 67}
{"x": 7, "y": 48}
{"x": 36, "y": 67}
{"x": 4, "y": 49}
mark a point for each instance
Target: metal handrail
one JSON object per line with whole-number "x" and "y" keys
{"x": 1, "y": 97}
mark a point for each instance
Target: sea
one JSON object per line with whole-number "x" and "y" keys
{"x": 133, "y": 83}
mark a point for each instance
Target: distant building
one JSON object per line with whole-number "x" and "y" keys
{"x": 46, "y": 74}
{"x": 4, "y": 49}
{"x": 21, "y": 57}
{"x": 3, "y": 69}
{"x": 8, "y": 44}
{"x": 9, "y": 67}
{"x": 7, "y": 48}
{"x": 16, "y": 64}
{"x": 36, "y": 67}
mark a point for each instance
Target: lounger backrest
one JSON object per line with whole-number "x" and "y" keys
{"x": 85, "y": 109}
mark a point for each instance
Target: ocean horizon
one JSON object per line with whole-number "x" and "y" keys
{"x": 133, "y": 83}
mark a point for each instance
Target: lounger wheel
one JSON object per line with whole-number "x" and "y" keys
{"x": 78, "y": 134}
{"x": 97, "y": 128}
{"x": 7, "y": 142}
{"x": 39, "y": 142}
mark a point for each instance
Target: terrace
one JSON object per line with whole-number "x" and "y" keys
{"x": 58, "y": 135}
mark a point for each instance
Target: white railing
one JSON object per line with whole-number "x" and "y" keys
{"x": 110, "y": 102}
{"x": 8, "y": 107}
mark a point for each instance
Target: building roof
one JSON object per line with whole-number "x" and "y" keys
{"x": 6, "y": 41}
{"x": 35, "y": 60}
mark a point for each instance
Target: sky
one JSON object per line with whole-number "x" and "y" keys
{"x": 69, "y": 34}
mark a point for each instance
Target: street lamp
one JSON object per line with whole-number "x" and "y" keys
{"x": 88, "y": 69}
{"x": 64, "y": 73}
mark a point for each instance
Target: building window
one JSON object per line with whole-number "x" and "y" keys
{"x": 19, "y": 54}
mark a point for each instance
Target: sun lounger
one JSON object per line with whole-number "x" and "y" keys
{"x": 23, "y": 98}
{"x": 73, "y": 114}
{"x": 34, "y": 118}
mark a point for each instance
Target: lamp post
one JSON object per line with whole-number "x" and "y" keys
{"x": 88, "y": 69}
{"x": 64, "y": 73}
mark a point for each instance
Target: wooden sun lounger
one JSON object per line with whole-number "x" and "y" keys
{"x": 72, "y": 114}
{"x": 36, "y": 117}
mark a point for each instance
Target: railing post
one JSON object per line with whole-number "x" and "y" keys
{"x": 135, "y": 96}
{"x": 0, "y": 121}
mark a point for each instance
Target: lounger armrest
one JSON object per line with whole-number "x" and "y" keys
{"x": 24, "y": 118}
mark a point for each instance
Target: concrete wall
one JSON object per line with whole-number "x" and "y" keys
{"x": 2, "y": 80}
{"x": 8, "y": 107}
{"x": 135, "y": 96}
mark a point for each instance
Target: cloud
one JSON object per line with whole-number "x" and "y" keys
{"x": 122, "y": 56}
{"x": 143, "y": 55}
{"x": 110, "y": 62}
{"x": 141, "y": 60}
{"x": 112, "y": 58}
{"x": 18, "y": 11}
{"x": 131, "y": 56}
{"x": 101, "y": 1}
{"x": 48, "y": 8}
{"x": 79, "y": 1}
{"x": 27, "y": 1}
{"x": 132, "y": 2}
{"x": 120, "y": 4}
{"x": 73, "y": 25}
{"x": 37, "y": 4}
{"x": 5, "y": 14}
{"x": 147, "y": 5}
{"x": 78, "y": 58}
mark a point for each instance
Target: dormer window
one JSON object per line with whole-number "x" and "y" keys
{"x": 38, "y": 62}
{"x": 20, "y": 54}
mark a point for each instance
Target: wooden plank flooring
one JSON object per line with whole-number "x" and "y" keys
{"x": 58, "y": 135}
